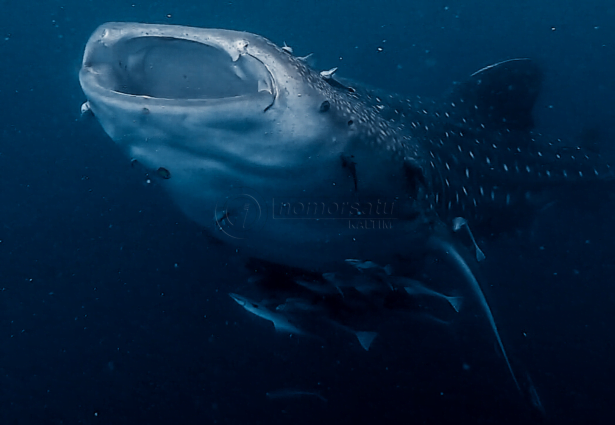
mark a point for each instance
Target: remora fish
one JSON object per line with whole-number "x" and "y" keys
{"x": 222, "y": 111}
{"x": 414, "y": 287}
{"x": 280, "y": 322}
{"x": 365, "y": 338}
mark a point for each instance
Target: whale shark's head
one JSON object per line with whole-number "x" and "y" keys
{"x": 215, "y": 110}
{"x": 204, "y": 88}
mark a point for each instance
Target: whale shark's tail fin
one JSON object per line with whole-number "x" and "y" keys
{"x": 460, "y": 264}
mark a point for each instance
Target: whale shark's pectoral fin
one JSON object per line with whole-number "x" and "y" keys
{"x": 456, "y": 260}
{"x": 503, "y": 94}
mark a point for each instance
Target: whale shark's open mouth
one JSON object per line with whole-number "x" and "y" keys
{"x": 181, "y": 69}
{"x": 174, "y": 68}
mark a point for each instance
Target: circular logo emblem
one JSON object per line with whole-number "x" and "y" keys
{"x": 241, "y": 214}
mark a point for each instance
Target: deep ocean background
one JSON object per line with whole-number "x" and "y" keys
{"x": 114, "y": 307}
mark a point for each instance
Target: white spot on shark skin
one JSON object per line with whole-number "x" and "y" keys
{"x": 482, "y": 192}
{"x": 505, "y": 167}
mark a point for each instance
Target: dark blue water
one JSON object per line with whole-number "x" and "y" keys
{"x": 114, "y": 307}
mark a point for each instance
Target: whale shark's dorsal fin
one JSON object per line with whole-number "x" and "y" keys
{"x": 501, "y": 95}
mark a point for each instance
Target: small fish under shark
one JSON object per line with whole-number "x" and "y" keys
{"x": 304, "y": 169}
{"x": 282, "y": 323}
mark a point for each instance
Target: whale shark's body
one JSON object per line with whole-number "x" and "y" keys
{"x": 300, "y": 168}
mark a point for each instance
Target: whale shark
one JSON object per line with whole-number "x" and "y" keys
{"x": 306, "y": 169}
